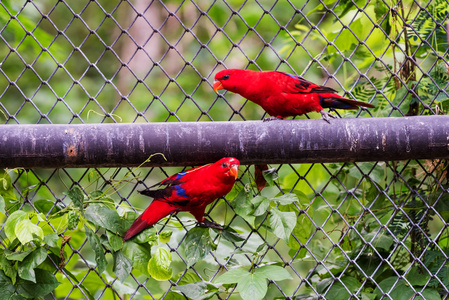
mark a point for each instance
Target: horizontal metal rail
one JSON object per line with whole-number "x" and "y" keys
{"x": 253, "y": 142}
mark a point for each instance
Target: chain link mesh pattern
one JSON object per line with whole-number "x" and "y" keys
{"x": 150, "y": 61}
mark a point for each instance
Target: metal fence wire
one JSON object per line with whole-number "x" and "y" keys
{"x": 363, "y": 230}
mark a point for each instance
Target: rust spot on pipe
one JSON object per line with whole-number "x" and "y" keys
{"x": 71, "y": 151}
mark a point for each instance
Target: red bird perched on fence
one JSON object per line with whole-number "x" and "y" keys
{"x": 281, "y": 94}
{"x": 190, "y": 191}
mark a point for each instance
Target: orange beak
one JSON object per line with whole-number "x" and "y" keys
{"x": 234, "y": 171}
{"x": 217, "y": 86}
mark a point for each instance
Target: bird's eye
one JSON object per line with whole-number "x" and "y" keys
{"x": 224, "y": 165}
{"x": 225, "y": 77}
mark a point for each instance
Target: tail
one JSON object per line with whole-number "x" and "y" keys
{"x": 156, "y": 211}
{"x": 342, "y": 103}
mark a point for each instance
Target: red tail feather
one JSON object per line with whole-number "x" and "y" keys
{"x": 156, "y": 211}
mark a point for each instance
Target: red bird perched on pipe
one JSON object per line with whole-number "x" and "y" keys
{"x": 281, "y": 94}
{"x": 190, "y": 191}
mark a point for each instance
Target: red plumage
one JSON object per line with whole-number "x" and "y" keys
{"x": 190, "y": 191}
{"x": 281, "y": 94}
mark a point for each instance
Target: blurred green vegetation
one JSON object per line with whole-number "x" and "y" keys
{"x": 100, "y": 61}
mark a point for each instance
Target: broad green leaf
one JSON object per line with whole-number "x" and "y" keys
{"x": 286, "y": 199}
{"x": 253, "y": 286}
{"x": 199, "y": 290}
{"x": 77, "y": 197}
{"x": 46, "y": 282}
{"x": 232, "y": 276}
{"x": 380, "y": 240}
{"x": 115, "y": 241}
{"x": 197, "y": 244}
{"x": 231, "y": 235}
{"x": 415, "y": 277}
{"x": 340, "y": 292}
{"x": 164, "y": 236}
{"x": 11, "y": 223}
{"x": 51, "y": 239}
{"x": 368, "y": 296}
{"x": 159, "y": 265}
{"x": 188, "y": 277}
{"x": 17, "y": 255}
{"x": 2, "y": 204}
{"x": 8, "y": 268}
{"x": 105, "y": 217}
{"x": 122, "y": 266}
{"x": 401, "y": 290}
{"x": 302, "y": 231}
{"x": 6, "y": 189}
{"x": 243, "y": 207}
{"x": 44, "y": 206}
{"x": 149, "y": 235}
{"x": 282, "y": 223}
{"x": 261, "y": 204}
{"x": 139, "y": 254}
{"x": 6, "y": 286}
{"x": 27, "y": 266}
{"x": 73, "y": 220}
{"x": 26, "y": 231}
{"x": 98, "y": 249}
{"x": 273, "y": 272}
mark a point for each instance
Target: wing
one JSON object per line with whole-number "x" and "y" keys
{"x": 174, "y": 191}
{"x": 297, "y": 85}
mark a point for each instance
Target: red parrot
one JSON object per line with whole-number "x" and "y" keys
{"x": 281, "y": 94}
{"x": 191, "y": 191}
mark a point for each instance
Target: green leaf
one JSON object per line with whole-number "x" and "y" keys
{"x": 44, "y": 206}
{"x": 72, "y": 220}
{"x": 6, "y": 188}
{"x": 231, "y": 235}
{"x": 98, "y": 249}
{"x": 46, "y": 282}
{"x": 149, "y": 235}
{"x": 159, "y": 265}
{"x": 115, "y": 241}
{"x": 340, "y": 292}
{"x": 197, "y": 244}
{"x": 8, "y": 267}
{"x": 261, "y": 204}
{"x": 273, "y": 272}
{"x": 253, "y": 286}
{"x": 140, "y": 255}
{"x": 27, "y": 266}
{"x": 282, "y": 223}
{"x": 26, "y": 231}
{"x": 77, "y": 197}
{"x": 18, "y": 255}
{"x": 199, "y": 290}
{"x": 122, "y": 265}
{"x": 380, "y": 240}
{"x": 11, "y": 222}
{"x": 287, "y": 199}
{"x": 164, "y": 236}
{"x": 2, "y": 205}
{"x": 243, "y": 207}
{"x": 6, "y": 286}
{"x": 232, "y": 276}
{"x": 51, "y": 239}
{"x": 105, "y": 217}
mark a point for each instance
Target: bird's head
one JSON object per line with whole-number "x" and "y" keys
{"x": 230, "y": 79}
{"x": 229, "y": 166}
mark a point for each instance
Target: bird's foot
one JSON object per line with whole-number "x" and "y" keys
{"x": 272, "y": 118}
{"x": 326, "y": 116}
{"x": 210, "y": 224}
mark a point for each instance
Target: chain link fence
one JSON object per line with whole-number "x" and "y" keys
{"x": 362, "y": 231}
